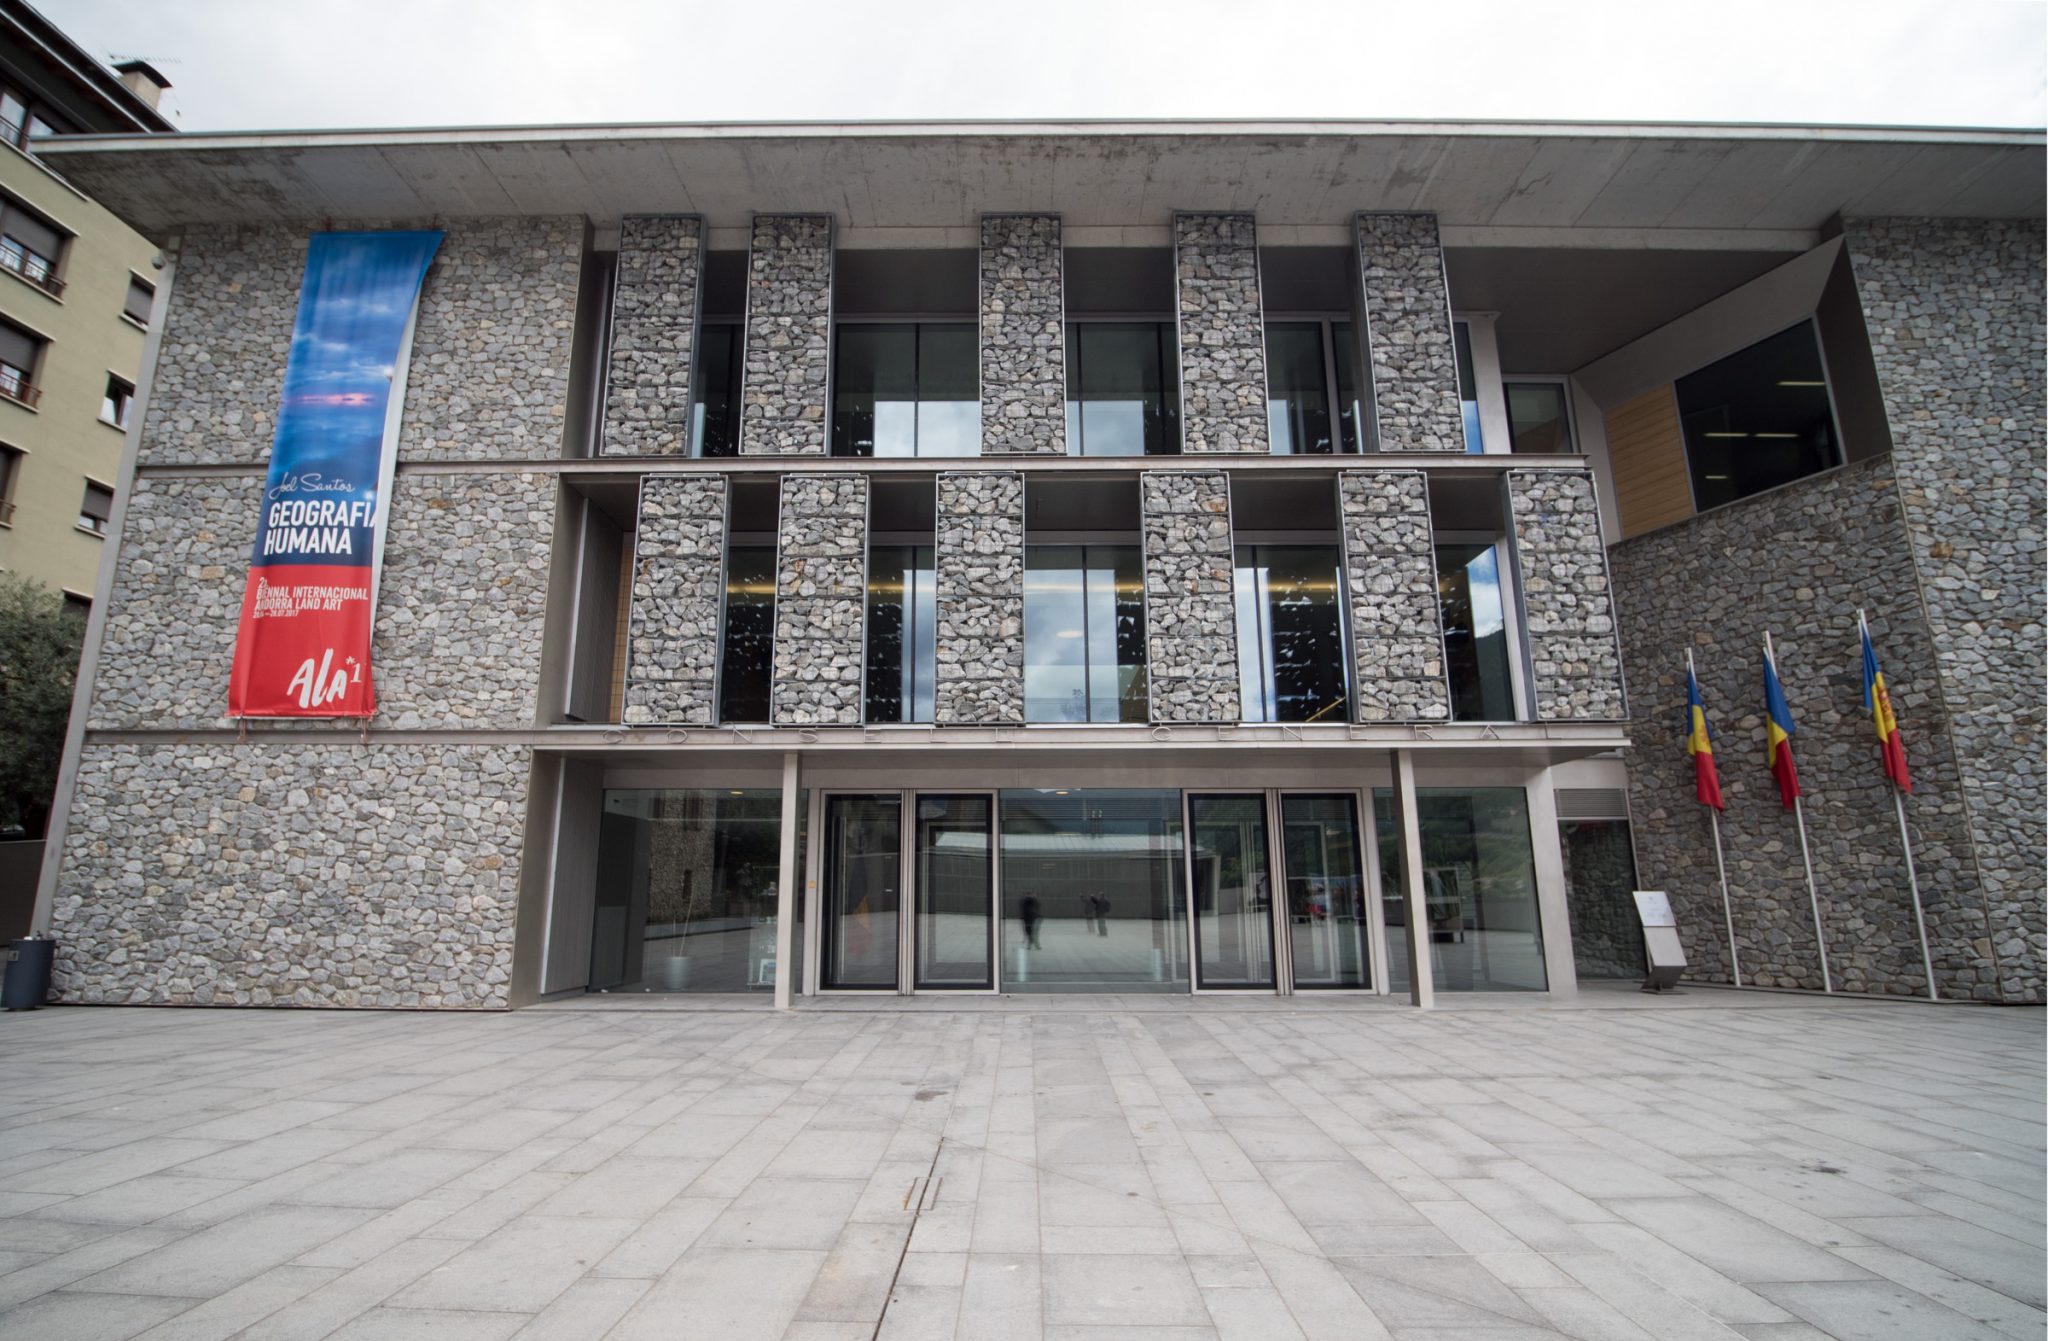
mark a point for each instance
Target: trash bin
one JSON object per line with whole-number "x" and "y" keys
{"x": 28, "y": 973}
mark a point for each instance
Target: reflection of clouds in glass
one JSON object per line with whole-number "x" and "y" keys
{"x": 1483, "y": 573}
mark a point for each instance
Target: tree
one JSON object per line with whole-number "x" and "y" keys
{"x": 40, "y": 638}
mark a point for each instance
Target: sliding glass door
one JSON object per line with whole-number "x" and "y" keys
{"x": 955, "y": 892}
{"x": 1230, "y": 889}
{"x": 863, "y": 890}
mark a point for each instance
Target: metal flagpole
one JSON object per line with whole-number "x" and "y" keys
{"x": 1905, "y": 839}
{"x": 1720, "y": 863}
{"x": 1827, "y": 982}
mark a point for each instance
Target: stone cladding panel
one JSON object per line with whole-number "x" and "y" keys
{"x": 1190, "y": 601}
{"x": 1397, "y": 636}
{"x": 655, "y": 306}
{"x": 1567, "y": 607}
{"x": 1607, "y": 932}
{"x": 678, "y": 601}
{"x": 1023, "y": 336}
{"x": 1222, "y": 334}
{"x": 789, "y": 336}
{"x": 980, "y": 581}
{"x": 291, "y": 873}
{"x": 1408, "y": 334}
{"x": 821, "y": 569}
{"x": 1954, "y": 311}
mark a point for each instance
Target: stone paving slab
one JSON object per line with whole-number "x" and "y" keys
{"x": 1716, "y": 1165}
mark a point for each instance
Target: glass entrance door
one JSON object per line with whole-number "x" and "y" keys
{"x": 863, "y": 890}
{"x": 1327, "y": 908}
{"x": 1231, "y": 890}
{"x": 955, "y": 865}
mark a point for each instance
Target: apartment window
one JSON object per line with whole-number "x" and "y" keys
{"x": 1312, "y": 399}
{"x": 19, "y": 353}
{"x": 1468, "y": 388}
{"x": 75, "y": 604}
{"x": 1539, "y": 418}
{"x": 114, "y": 404}
{"x": 21, "y": 121}
{"x": 903, "y": 607}
{"x": 907, "y": 389}
{"x": 749, "y": 642}
{"x": 715, "y": 400}
{"x": 10, "y": 471}
{"x": 141, "y": 301}
{"x": 30, "y": 247}
{"x": 1758, "y": 418}
{"x": 1290, "y": 634}
{"x": 1084, "y": 634}
{"x": 95, "y": 508}
{"x": 1123, "y": 391}
{"x": 1475, "y": 632}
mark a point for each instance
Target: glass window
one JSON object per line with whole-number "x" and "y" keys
{"x": 1297, "y": 391}
{"x": 1326, "y": 902}
{"x": 1478, "y": 890}
{"x": 1350, "y": 399}
{"x": 1084, "y": 634}
{"x": 1123, "y": 398}
{"x": 955, "y": 891}
{"x": 10, "y": 471}
{"x": 141, "y": 300}
{"x": 1758, "y": 419}
{"x": 902, "y": 641}
{"x": 863, "y": 889}
{"x": 18, "y": 351}
{"x": 30, "y": 247}
{"x": 1232, "y": 890}
{"x": 749, "y": 640}
{"x": 715, "y": 400}
{"x": 1468, "y": 389}
{"x": 1290, "y": 635}
{"x": 13, "y": 116}
{"x": 907, "y": 389}
{"x": 96, "y": 508}
{"x": 1092, "y": 897}
{"x": 1475, "y": 633}
{"x": 1599, "y": 885}
{"x": 114, "y": 404}
{"x": 687, "y": 891}
{"x": 1539, "y": 419}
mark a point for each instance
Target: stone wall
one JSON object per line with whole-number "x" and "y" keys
{"x": 980, "y": 587}
{"x": 672, "y": 643}
{"x": 1397, "y": 635}
{"x": 1414, "y": 359}
{"x": 1599, "y": 881}
{"x": 1222, "y": 334}
{"x": 1798, "y": 561}
{"x": 788, "y": 336}
{"x": 1023, "y": 336}
{"x": 656, "y": 301}
{"x": 1954, "y": 311}
{"x": 821, "y": 571}
{"x": 292, "y": 873}
{"x": 1567, "y": 607}
{"x": 1190, "y": 606}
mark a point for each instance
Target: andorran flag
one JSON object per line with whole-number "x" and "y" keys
{"x": 1878, "y": 702}
{"x": 1778, "y": 733}
{"x": 1699, "y": 743}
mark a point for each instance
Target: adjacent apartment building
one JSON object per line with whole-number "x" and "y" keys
{"x": 1087, "y": 558}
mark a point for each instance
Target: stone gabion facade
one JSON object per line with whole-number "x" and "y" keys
{"x": 980, "y": 588}
{"x": 1409, "y": 341}
{"x": 656, "y": 301}
{"x": 1397, "y": 635}
{"x": 672, "y": 641}
{"x": 292, "y": 873}
{"x": 1954, "y": 311}
{"x": 1835, "y": 542}
{"x": 788, "y": 337}
{"x": 821, "y": 581}
{"x": 1222, "y": 334}
{"x": 1190, "y": 601}
{"x": 1023, "y": 336}
{"x": 1567, "y": 604}
{"x": 1599, "y": 877}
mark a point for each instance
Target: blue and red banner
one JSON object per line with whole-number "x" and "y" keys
{"x": 303, "y": 649}
{"x": 1877, "y": 701}
{"x": 1699, "y": 743}
{"x": 1778, "y": 731}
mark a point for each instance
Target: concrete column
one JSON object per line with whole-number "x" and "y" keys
{"x": 1408, "y": 849}
{"x": 1397, "y": 636}
{"x": 1190, "y": 602}
{"x": 1023, "y": 336}
{"x": 786, "y": 892}
{"x": 1553, "y": 907}
{"x": 656, "y": 301}
{"x": 821, "y": 583}
{"x": 678, "y": 609}
{"x": 980, "y": 578}
{"x": 788, "y": 356}
{"x": 1410, "y": 351}
{"x": 1222, "y": 334}
{"x": 1567, "y": 606}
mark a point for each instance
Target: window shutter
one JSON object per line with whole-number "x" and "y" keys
{"x": 18, "y": 347}
{"x": 32, "y": 233}
{"x": 99, "y": 502}
{"x": 141, "y": 298}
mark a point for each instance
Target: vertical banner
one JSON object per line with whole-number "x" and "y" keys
{"x": 303, "y": 649}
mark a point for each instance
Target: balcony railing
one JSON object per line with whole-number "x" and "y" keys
{"x": 6, "y": 512}
{"x": 19, "y": 389}
{"x": 37, "y": 270}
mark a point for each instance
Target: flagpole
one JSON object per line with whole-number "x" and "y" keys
{"x": 1720, "y": 863}
{"x": 1827, "y": 982}
{"x": 1906, "y": 843}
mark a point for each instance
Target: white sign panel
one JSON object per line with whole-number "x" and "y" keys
{"x": 1654, "y": 907}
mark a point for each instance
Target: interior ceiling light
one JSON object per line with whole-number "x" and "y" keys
{"x": 1724, "y": 435}
{"x": 1778, "y": 435}
{"x": 1802, "y": 384}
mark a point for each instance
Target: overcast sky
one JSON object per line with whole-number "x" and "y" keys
{"x": 274, "y": 64}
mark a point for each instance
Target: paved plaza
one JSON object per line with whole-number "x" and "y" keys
{"x": 1715, "y": 1165}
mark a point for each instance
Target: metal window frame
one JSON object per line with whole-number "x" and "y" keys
{"x": 1277, "y": 974}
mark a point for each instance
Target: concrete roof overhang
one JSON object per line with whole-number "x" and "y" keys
{"x": 1486, "y": 180}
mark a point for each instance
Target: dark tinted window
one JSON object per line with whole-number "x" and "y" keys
{"x": 715, "y": 415}
{"x": 1757, "y": 419}
{"x": 1123, "y": 396}
{"x": 1290, "y": 636}
{"x": 743, "y": 674}
{"x": 907, "y": 389}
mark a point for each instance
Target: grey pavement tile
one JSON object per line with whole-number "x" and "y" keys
{"x": 104, "y": 1168}
{"x": 271, "y": 1155}
{"x": 585, "y": 1310}
{"x": 925, "y": 1303}
{"x": 1684, "y": 1276}
{"x": 1121, "y": 1291}
{"x": 138, "y": 1201}
{"x": 1321, "y": 1300}
{"x": 739, "y": 1294}
{"x": 1434, "y": 1292}
{"x": 1990, "y": 1259}
{"x": 1581, "y": 1314}
{"x": 68, "y": 1315}
{"x": 390, "y": 1181}
{"x": 521, "y": 1267}
{"x": 784, "y": 1213}
{"x": 1002, "y": 1298}
{"x": 1254, "y": 1314}
{"x": 853, "y": 1283}
{"x": 209, "y": 1261}
{"x": 398, "y": 1324}
{"x": 1976, "y": 1302}
{"x": 227, "y": 1314}
{"x": 1740, "y": 1247}
{"x": 654, "y": 1246}
{"x": 624, "y": 1186}
{"x": 1112, "y": 1333}
{"x": 1876, "y": 1310}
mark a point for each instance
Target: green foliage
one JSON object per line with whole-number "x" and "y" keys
{"x": 40, "y": 638}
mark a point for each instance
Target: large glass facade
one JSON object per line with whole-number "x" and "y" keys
{"x": 1539, "y": 418}
{"x": 1297, "y": 389}
{"x": 1123, "y": 393}
{"x": 906, "y": 389}
{"x": 1290, "y": 635}
{"x": 1327, "y": 908}
{"x": 1231, "y": 888}
{"x": 902, "y": 640}
{"x": 863, "y": 890}
{"x": 1468, "y": 388}
{"x": 1093, "y": 891}
{"x": 1475, "y": 632}
{"x": 1478, "y": 890}
{"x": 1758, "y": 418}
{"x": 749, "y": 640}
{"x": 955, "y": 891}
{"x": 1084, "y": 634}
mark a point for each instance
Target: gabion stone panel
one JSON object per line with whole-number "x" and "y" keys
{"x": 1222, "y": 334}
{"x": 1023, "y": 336}
{"x": 655, "y": 305}
{"x": 789, "y": 336}
{"x": 1567, "y": 607}
{"x": 1408, "y": 334}
{"x": 821, "y": 580}
{"x": 672, "y": 640}
{"x": 291, "y": 873}
{"x": 1190, "y": 601}
{"x": 980, "y": 580}
{"x": 1397, "y": 636}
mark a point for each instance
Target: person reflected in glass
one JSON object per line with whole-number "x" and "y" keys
{"x": 1028, "y": 910}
